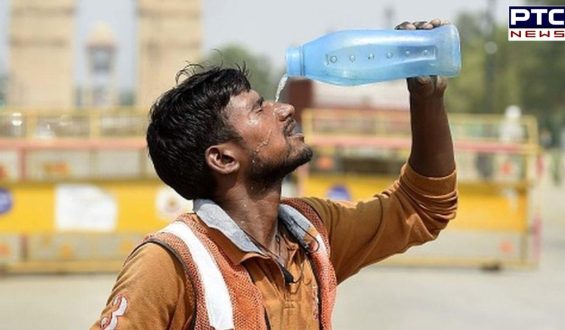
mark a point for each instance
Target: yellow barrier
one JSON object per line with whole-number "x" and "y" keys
{"x": 81, "y": 226}
{"x": 359, "y": 153}
{"x": 482, "y": 206}
{"x": 136, "y": 203}
{"x": 66, "y": 206}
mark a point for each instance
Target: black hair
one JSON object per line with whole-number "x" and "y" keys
{"x": 189, "y": 118}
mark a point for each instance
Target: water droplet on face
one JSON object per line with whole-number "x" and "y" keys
{"x": 352, "y": 58}
{"x": 389, "y": 55}
{"x": 333, "y": 59}
{"x": 371, "y": 56}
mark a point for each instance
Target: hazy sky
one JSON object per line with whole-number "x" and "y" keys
{"x": 265, "y": 27}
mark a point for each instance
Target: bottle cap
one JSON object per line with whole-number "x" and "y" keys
{"x": 294, "y": 62}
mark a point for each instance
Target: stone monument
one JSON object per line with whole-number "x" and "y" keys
{"x": 169, "y": 36}
{"x": 41, "y": 54}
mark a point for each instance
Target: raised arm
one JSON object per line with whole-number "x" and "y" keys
{"x": 417, "y": 206}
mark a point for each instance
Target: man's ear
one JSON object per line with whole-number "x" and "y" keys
{"x": 222, "y": 158}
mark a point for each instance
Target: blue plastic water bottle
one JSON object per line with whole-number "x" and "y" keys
{"x": 357, "y": 57}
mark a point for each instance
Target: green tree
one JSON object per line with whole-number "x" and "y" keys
{"x": 528, "y": 74}
{"x": 466, "y": 92}
{"x": 547, "y": 2}
{"x": 261, "y": 74}
{"x": 542, "y": 68}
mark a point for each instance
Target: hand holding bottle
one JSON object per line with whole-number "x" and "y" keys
{"x": 425, "y": 86}
{"x": 357, "y": 57}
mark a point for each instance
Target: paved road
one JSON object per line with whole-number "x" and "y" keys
{"x": 377, "y": 298}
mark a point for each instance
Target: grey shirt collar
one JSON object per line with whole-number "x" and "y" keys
{"x": 215, "y": 217}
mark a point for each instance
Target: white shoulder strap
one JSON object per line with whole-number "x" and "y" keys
{"x": 216, "y": 295}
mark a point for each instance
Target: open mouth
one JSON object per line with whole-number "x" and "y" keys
{"x": 291, "y": 128}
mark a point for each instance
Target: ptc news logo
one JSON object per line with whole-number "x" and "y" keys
{"x": 536, "y": 23}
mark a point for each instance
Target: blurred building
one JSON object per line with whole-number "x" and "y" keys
{"x": 169, "y": 35}
{"x": 41, "y": 54}
{"x": 101, "y": 60}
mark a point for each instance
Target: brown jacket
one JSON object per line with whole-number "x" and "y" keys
{"x": 412, "y": 211}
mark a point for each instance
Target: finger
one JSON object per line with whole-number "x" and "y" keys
{"x": 400, "y": 26}
{"x": 441, "y": 83}
{"x": 424, "y": 80}
{"x": 405, "y": 26}
{"x": 420, "y": 85}
{"x": 419, "y": 82}
{"x": 423, "y": 25}
{"x": 427, "y": 26}
{"x": 436, "y": 22}
{"x": 419, "y": 24}
{"x": 445, "y": 22}
{"x": 427, "y": 85}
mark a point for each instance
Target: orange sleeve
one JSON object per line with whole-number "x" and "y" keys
{"x": 413, "y": 210}
{"x": 149, "y": 293}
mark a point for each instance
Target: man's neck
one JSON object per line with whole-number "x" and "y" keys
{"x": 255, "y": 213}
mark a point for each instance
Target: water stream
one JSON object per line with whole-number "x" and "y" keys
{"x": 280, "y": 87}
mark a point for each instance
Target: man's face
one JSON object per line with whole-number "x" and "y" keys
{"x": 268, "y": 132}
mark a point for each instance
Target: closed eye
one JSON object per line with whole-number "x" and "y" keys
{"x": 259, "y": 104}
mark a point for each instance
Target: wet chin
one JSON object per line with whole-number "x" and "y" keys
{"x": 303, "y": 156}
{"x": 265, "y": 170}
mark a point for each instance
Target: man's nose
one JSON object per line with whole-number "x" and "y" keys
{"x": 284, "y": 110}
